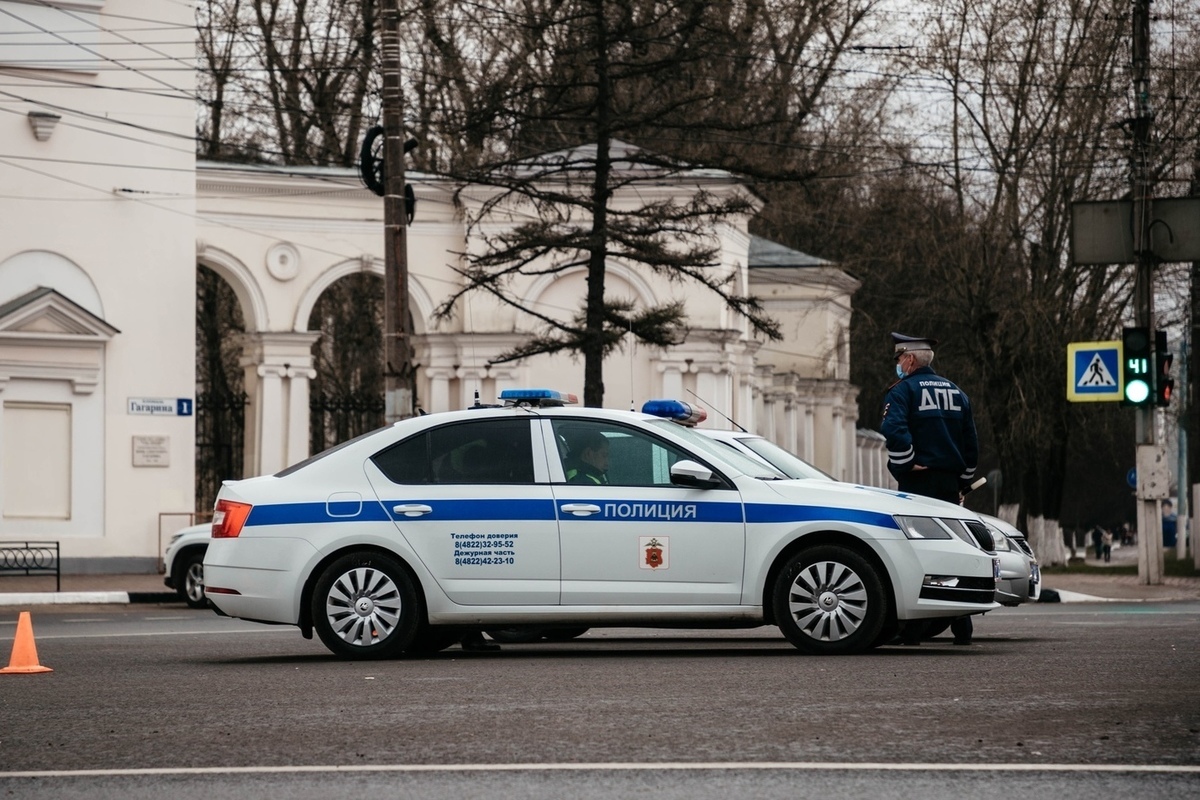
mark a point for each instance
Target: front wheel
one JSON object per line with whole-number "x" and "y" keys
{"x": 829, "y": 600}
{"x": 365, "y": 606}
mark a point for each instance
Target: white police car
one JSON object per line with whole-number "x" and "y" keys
{"x": 398, "y": 541}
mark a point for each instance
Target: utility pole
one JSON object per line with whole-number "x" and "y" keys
{"x": 399, "y": 376}
{"x": 1150, "y": 556}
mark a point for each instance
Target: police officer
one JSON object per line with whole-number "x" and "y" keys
{"x": 590, "y": 464}
{"x": 931, "y": 441}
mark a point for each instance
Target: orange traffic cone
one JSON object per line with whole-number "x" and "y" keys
{"x": 24, "y": 653}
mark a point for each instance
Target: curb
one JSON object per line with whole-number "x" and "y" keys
{"x": 79, "y": 598}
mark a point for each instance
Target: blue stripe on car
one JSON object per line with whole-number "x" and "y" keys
{"x": 545, "y": 510}
{"x": 771, "y": 512}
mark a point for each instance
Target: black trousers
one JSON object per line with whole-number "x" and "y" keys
{"x": 931, "y": 483}
{"x": 940, "y": 486}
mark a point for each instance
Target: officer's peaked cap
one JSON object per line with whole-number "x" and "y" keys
{"x": 904, "y": 344}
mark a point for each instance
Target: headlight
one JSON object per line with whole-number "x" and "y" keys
{"x": 922, "y": 528}
{"x": 1001, "y": 542}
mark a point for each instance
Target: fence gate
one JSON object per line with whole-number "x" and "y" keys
{"x": 220, "y": 443}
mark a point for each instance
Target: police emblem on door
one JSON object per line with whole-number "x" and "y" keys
{"x": 656, "y": 552}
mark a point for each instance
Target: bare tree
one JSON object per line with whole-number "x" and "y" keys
{"x": 622, "y": 93}
{"x": 287, "y": 81}
{"x": 1036, "y": 95}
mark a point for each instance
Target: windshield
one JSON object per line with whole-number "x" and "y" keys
{"x": 743, "y": 463}
{"x": 789, "y": 464}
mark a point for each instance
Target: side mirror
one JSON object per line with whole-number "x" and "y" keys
{"x": 693, "y": 475}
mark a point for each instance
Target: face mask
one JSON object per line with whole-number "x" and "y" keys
{"x": 899, "y": 371}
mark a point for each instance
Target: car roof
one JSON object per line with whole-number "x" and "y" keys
{"x": 380, "y": 438}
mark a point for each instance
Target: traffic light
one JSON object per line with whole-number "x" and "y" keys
{"x": 1137, "y": 358}
{"x": 1163, "y": 381}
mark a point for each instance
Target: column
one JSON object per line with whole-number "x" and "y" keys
{"x": 278, "y": 368}
{"x": 269, "y": 412}
{"x": 672, "y": 379}
{"x": 298, "y": 437}
{"x": 439, "y": 388}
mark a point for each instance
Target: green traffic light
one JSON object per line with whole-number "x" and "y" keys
{"x": 1137, "y": 391}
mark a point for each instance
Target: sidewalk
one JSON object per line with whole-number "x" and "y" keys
{"x": 1098, "y": 587}
{"x": 148, "y": 588}
{"x": 36, "y": 590}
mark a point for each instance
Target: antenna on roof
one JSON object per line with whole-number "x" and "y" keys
{"x": 710, "y": 405}
{"x": 632, "y": 343}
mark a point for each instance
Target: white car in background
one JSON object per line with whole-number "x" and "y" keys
{"x": 1020, "y": 576}
{"x": 184, "y": 561}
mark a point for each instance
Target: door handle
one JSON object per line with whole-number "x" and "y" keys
{"x": 413, "y": 509}
{"x": 581, "y": 509}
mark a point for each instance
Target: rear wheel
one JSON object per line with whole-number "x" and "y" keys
{"x": 364, "y": 606}
{"x": 829, "y": 600}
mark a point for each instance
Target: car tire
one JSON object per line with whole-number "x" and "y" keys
{"x": 188, "y": 577}
{"x": 829, "y": 600}
{"x": 365, "y": 606}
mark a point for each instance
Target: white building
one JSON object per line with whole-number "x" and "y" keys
{"x": 97, "y": 276}
{"x": 105, "y": 215}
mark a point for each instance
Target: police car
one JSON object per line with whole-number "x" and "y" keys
{"x": 398, "y": 541}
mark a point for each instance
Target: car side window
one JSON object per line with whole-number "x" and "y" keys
{"x": 604, "y": 453}
{"x": 496, "y": 451}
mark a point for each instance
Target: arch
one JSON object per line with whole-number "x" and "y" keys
{"x": 627, "y": 274}
{"x": 26, "y": 271}
{"x": 417, "y": 294}
{"x": 235, "y": 273}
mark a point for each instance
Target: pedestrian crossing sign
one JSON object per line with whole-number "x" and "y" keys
{"x": 1094, "y": 372}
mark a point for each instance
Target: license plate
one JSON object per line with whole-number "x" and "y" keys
{"x": 1035, "y": 573}
{"x": 996, "y": 568}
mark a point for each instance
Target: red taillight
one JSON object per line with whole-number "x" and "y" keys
{"x": 229, "y": 518}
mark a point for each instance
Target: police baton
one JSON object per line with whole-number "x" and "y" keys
{"x": 962, "y": 495}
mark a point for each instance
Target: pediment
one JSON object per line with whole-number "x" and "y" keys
{"x": 44, "y": 312}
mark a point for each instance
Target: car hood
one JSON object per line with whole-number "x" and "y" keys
{"x": 870, "y": 498}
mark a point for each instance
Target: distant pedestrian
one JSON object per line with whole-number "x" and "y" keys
{"x": 1098, "y": 540}
{"x": 1106, "y": 541}
{"x": 932, "y": 445}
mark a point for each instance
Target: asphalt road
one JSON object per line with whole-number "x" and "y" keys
{"x": 1069, "y": 701}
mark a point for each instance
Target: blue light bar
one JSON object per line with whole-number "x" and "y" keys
{"x": 537, "y": 397}
{"x": 675, "y": 410}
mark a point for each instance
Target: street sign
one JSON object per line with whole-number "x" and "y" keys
{"x": 161, "y": 406}
{"x": 1102, "y": 231}
{"x": 1094, "y": 372}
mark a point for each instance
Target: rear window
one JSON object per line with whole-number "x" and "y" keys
{"x": 299, "y": 465}
{"x": 496, "y": 451}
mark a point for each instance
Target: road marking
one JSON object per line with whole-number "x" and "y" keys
{"x": 727, "y": 766}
